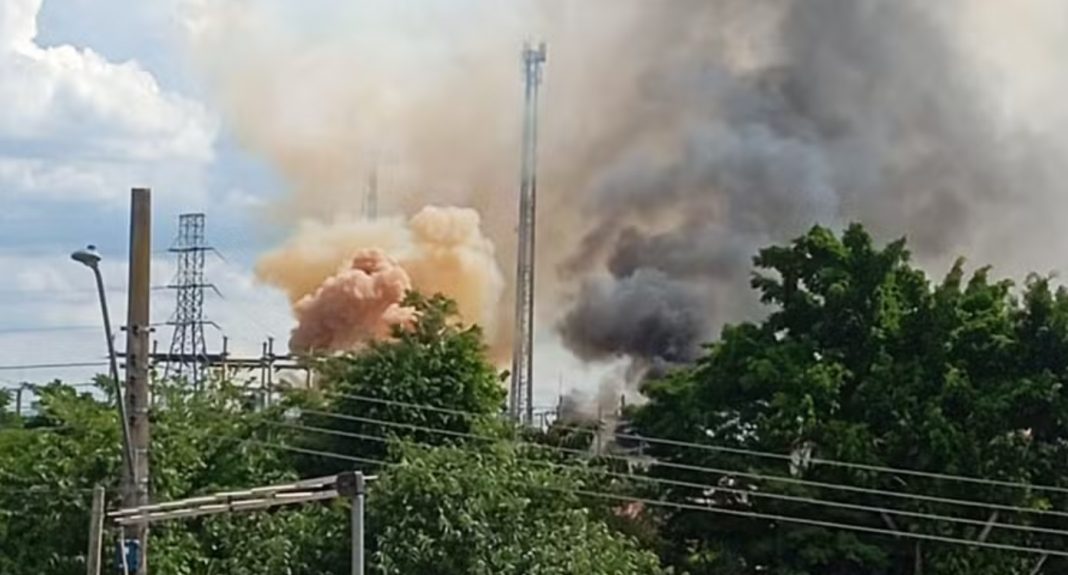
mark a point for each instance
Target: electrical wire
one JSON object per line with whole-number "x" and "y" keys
{"x": 724, "y": 511}
{"x": 45, "y": 489}
{"x": 47, "y": 329}
{"x": 818, "y": 523}
{"x": 32, "y": 366}
{"x": 740, "y": 451}
{"x": 706, "y": 487}
{"x": 326, "y": 454}
{"x": 715, "y": 470}
{"x": 42, "y": 429}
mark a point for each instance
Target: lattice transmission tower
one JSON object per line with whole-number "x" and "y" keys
{"x": 188, "y": 353}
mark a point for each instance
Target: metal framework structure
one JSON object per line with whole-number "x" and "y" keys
{"x": 230, "y": 501}
{"x": 350, "y": 484}
{"x": 188, "y": 353}
{"x": 521, "y": 403}
{"x": 370, "y": 197}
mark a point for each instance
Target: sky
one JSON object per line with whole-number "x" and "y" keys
{"x": 94, "y": 105}
{"x": 97, "y": 97}
{"x": 677, "y": 137}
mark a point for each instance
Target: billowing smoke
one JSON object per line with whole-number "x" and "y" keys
{"x": 678, "y": 136}
{"x": 439, "y": 250}
{"x": 646, "y": 315}
{"x": 451, "y": 256}
{"x": 751, "y": 133}
{"x": 361, "y": 302}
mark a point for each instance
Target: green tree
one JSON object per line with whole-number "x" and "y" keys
{"x": 438, "y": 363}
{"x": 217, "y": 439}
{"x": 49, "y": 464}
{"x": 862, "y": 359}
{"x": 213, "y": 441}
{"x": 7, "y": 416}
{"x": 202, "y": 443}
{"x": 491, "y": 511}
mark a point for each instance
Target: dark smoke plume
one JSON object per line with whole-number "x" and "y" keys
{"x": 678, "y": 136}
{"x": 854, "y": 110}
{"x": 646, "y": 315}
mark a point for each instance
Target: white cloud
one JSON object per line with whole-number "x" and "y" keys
{"x": 59, "y": 178}
{"x": 73, "y": 124}
{"x": 49, "y": 312}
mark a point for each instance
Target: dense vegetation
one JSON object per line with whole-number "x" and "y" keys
{"x": 860, "y": 359}
{"x": 863, "y": 360}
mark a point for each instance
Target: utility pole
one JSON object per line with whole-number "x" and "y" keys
{"x": 96, "y": 532}
{"x": 135, "y": 492}
{"x": 354, "y": 486}
{"x": 521, "y": 400}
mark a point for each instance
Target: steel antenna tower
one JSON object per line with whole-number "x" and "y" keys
{"x": 521, "y": 398}
{"x": 370, "y": 198}
{"x": 188, "y": 349}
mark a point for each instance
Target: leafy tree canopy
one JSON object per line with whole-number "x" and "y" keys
{"x": 50, "y": 463}
{"x": 450, "y": 510}
{"x": 863, "y": 359}
{"x": 437, "y": 363}
{"x": 219, "y": 439}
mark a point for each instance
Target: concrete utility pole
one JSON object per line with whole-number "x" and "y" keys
{"x": 96, "y": 532}
{"x": 135, "y": 493}
{"x": 354, "y": 486}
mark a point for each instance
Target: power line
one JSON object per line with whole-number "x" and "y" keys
{"x": 738, "y": 451}
{"x": 71, "y": 291}
{"x": 32, "y": 366}
{"x": 80, "y": 292}
{"x": 45, "y": 489}
{"x": 745, "y": 492}
{"x": 816, "y": 523}
{"x": 43, "y": 429}
{"x": 722, "y": 511}
{"x": 396, "y": 403}
{"x": 47, "y": 329}
{"x": 245, "y": 314}
{"x": 34, "y": 387}
{"x": 59, "y": 328}
{"x": 718, "y": 471}
{"x": 326, "y": 454}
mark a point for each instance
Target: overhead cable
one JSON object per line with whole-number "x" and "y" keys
{"x": 741, "y": 451}
{"x": 714, "y": 470}
{"x": 726, "y": 489}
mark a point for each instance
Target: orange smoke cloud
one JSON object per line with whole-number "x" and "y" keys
{"x": 359, "y": 303}
{"x": 439, "y": 250}
{"x": 452, "y": 257}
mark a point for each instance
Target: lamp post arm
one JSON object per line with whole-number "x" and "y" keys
{"x": 120, "y": 399}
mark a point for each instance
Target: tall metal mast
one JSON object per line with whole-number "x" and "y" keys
{"x": 521, "y": 398}
{"x": 370, "y": 197}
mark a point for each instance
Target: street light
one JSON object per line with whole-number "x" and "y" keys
{"x": 91, "y": 259}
